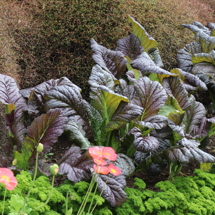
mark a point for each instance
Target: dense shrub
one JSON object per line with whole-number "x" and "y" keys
{"x": 51, "y": 38}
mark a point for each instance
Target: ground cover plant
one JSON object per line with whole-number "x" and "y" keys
{"x": 145, "y": 113}
{"x": 187, "y": 195}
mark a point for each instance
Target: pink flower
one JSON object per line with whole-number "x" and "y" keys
{"x": 109, "y": 153}
{"x": 96, "y": 151}
{"x": 114, "y": 170}
{"x": 7, "y": 178}
{"x": 103, "y": 152}
{"x": 101, "y": 169}
{"x": 99, "y": 161}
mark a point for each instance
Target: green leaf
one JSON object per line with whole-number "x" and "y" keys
{"x": 137, "y": 73}
{"x": 204, "y": 57}
{"x": 146, "y": 41}
{"x": 125, "y": 113}
{"x": 211, "y": 131}
{"x": 154, "y": 77}
{"x": 106, "y": 102}
{"x": 166, "y": 110}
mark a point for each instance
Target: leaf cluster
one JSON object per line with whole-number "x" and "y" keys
{"x": 198, "y": 57}
{"x": 131, "y": 97}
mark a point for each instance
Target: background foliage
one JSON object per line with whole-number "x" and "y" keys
{"x": 44, "y": 39}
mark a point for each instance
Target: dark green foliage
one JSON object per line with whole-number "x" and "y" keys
{"x": 55, "y": 42}
{"x": 59, "y": 44}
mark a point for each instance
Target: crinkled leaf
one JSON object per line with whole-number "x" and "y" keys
{"x": 207, "y": 42}
{"x": 44, "y": 129}
{"x": 203, "y": 37}
{"x": 144, "y": 144}
{"x": 106, "y": 102}
{"x": 186, "y": 154}
{"x": 212, "y": 120}
{"x": 147, "y": 41}
{"x": 131, "y": 76}
{"x": 204, "y": 68}
{"x": 184, "y": 56}
{"x": 101, "y": 77}
{"x": 175, "y": 89}
{"x": 77, "y": 133}
{"x": 146, "y": 65}
{"x": 188, "y": 142}
{"x": 75, "y": 165}
{"x": 125, "y": 164}
{"x": 47, "y": 128}
{"x": 113, "y": 61}
{"x": 97, "y": 124}
{"x": 150, "y": 95}
{"x": 154, "y": 122}
{"x": 66, "y": 97}
{"x": 193, "y": 116}
{"x": 196, "y": 27}
{"x": 193, "y": 80}
{"x": 140, "y": 156}
{"x": 156, "y": 57}
{"x": 204, "y": 57}
{"x": 74, "y": 174}
{"x": 9, "y": 94}
{"x": 201, "y": 130}
{"x": 211, "y": 25}
{"x": 179, "y": 129}
{"x": 71, "y": 155}
{"x": 125, "y": 89}
{"x": 112, "y": 188}
{"x": 48, "y": 85}
{"x": 125, "y": 113}
{"x": 6, "y": 148}
{"x": 35, "y": 104}
{"x": 130, "y": 46}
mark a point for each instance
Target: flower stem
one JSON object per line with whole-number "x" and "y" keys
{"x": 4, "y": 200}
{"x": 100, "y": 196}
{"x": 34, "y": 177}
{"x": 94, "y": 193}
{"x": 81, "y": 209}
